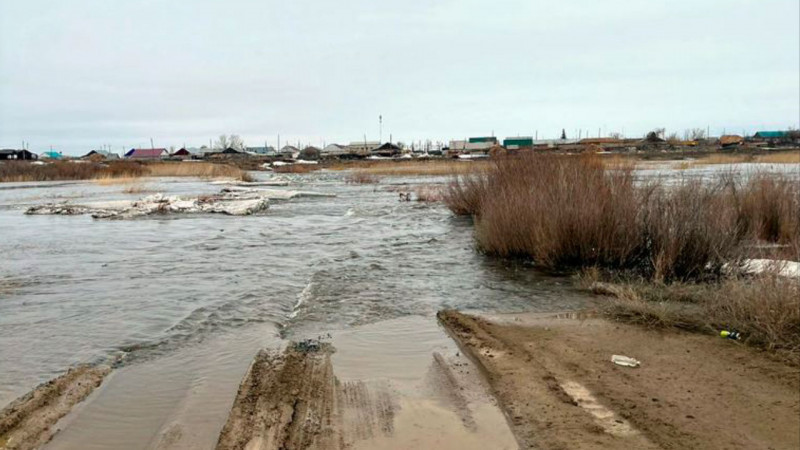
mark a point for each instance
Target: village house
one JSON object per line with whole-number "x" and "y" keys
{"x": 386, "y": 150}
{"x": 100, "y": 154}
{"x": 52, "y": 154}
{"x": 362, "y": 148}
{"x": 147, "y": 153}
{"x": 334, "y": 151}
{"x": 262, "y": 151}
{"x": 23, "y": 155}
{"x": 519, "y": 142}
{"x": 289, "y": 151}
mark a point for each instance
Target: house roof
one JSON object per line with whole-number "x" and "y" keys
{"x": 771, "y": 134}
{"x": 729, "y": 139}
{"x": 146, "y": 152}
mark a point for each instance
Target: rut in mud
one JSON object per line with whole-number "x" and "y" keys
{"x": 27, "y": 422}
{"x": 292, "y": 400}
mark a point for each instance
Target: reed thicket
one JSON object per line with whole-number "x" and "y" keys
{"x": 573, "y": 212}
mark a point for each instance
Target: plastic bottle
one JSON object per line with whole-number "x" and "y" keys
{"x": 735, "y": 335}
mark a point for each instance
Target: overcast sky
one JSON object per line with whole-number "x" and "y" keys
{"x": 77, "y": 74}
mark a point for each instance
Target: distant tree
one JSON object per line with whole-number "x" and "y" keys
{"x": 563, "y": 134}
{"x": 236, "y": 142}
{"x": 673, "y": 138}
{"x": 653, "y": 136}
{"x": 696, "y": 134}
{"x": 660, "y": 132}
{"x": 222, "y": 143}
{"x": 233, "y": 141}
{"x": 615, "y": 135}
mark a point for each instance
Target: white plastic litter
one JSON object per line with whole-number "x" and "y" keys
{"x": 625, "y": 361}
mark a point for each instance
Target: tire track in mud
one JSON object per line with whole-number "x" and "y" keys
{"x": 292, "y": 400}
{"x": 27, "y": 422}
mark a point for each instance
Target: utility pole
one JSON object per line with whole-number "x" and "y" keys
{"x": 279, "y": 142}
{"x": 380, "y": 128}
{"x": 151, "y": 144}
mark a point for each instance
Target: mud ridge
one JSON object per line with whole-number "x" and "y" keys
{"x": 292, "y": 400}
{"x": 27, "y": 422}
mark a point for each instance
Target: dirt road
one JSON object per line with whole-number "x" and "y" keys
{"x": 558, "y": 388}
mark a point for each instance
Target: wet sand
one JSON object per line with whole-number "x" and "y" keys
{"x": 27, "y": 422}
{"x": 559, "y": 389}
{"x": 385, "y": 389}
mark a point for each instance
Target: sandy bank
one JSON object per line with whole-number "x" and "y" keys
{"x": 558, "y": 388}
{"x": 26, "y": 423}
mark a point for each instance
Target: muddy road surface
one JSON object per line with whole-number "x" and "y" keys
{"x": 559, "y": 389}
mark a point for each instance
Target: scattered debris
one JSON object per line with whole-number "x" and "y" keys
{"x": 625, "y": 361}
{"x": 734, "y": 335}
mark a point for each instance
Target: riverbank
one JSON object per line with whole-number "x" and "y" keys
{"x": 125, "y": 171}
{"x": 556, "y": 383}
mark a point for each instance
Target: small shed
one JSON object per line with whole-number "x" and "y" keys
{"x": 182, "y": 153}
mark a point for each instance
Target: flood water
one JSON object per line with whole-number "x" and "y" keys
{"x": 180, "y": 304}
{"x": 193, "y": 297}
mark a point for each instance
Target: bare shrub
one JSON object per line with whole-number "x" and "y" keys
{"x": 769, "y": 210}
{"x": 429, "y": 193}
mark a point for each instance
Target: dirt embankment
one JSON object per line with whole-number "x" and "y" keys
{"x": 292, "y": 400}
{"x": 559, "y": 389}
{"x": 27, "y": 422}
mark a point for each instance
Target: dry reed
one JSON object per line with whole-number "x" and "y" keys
{"x": 361, "y": 178}
{"x": 19, "y": 171}
{"x": 423, "y": 167}
{"x": 565, "y": 212}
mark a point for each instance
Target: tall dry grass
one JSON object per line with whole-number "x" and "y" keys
{"x": 782, "y": 157}
{"x": 765, "y": 309}
{"x": 20, "y": 171}
{"x": 423, "y": 167}
{"x": 573, "y": 212}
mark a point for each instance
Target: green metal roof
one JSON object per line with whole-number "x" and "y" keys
{"x": 771, "y": 134}
{"x": 474, "y": 140}
{"x": 518, "y": 141}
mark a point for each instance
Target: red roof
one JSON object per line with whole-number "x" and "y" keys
{"x": 143, "y": 153}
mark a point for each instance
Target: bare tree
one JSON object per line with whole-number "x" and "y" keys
{"x": 222, "y": 143}
{"x": 615, "y": 135}
{"x": 235, "y": 142}
{"x": 696, "y": 134}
